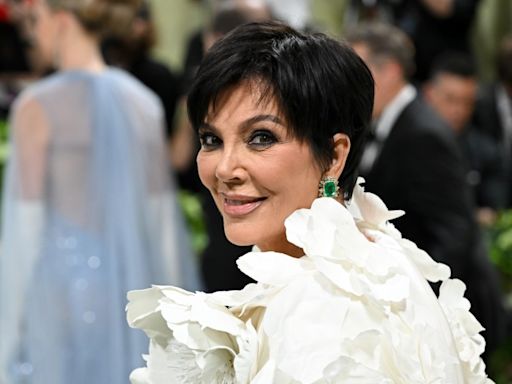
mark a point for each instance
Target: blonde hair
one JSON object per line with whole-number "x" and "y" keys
{"x": 101, "y": 17}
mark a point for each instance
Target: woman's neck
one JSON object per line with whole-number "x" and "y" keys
{"x": 80, "y": 53}
{"x": 281, "y": 246}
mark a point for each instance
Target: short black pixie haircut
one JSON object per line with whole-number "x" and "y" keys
{"x": 320, "y": 85}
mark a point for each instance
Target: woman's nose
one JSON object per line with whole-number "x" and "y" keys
{"x": 229, "y": 167}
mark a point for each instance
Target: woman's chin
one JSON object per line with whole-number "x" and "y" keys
{"x": 242, "y": 238}
{"x": 238, "y": 240}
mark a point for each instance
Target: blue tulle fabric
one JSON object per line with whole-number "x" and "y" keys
{"x": 105, "y": 222}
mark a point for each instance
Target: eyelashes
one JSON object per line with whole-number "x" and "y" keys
{"x": 209, "y": 140}
{"x": 259, "y": 139}
{"x": 262, "y": 138}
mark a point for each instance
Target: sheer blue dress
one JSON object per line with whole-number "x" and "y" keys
{"x": 89, "y": 213}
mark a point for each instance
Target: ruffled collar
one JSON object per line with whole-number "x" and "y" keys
{"x": 338, "y": 239}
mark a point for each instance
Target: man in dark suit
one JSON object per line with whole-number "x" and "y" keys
{"x": 451, "y": 91}
{"x": 414, "y": 163}
{"x": 493, "y": 111}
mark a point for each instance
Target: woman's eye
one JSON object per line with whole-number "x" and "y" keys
{"x": 262, "y": 138}
{"x": 209, "y": 140}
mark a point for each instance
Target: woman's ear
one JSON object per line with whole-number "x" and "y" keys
{"x": 341, "y": 149}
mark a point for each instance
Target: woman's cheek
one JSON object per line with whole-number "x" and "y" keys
{"x": 206, "y": 169}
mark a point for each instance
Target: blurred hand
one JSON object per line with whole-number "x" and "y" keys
{"x": 440, "y": 8}
{"x": 485, "y": 216}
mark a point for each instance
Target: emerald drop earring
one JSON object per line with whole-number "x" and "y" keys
{"x": 328, "y": 187}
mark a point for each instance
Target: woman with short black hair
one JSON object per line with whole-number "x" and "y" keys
{"x": 340, "y": 295}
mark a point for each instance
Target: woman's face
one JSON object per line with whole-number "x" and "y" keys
{"x": 256, "y": 171}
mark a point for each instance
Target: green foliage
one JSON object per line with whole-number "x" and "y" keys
{"x": 4, "y": 142}
{"x": 501, "y": 243}
{"x": 191, "y": 207}
{"x": 501, "y": 364}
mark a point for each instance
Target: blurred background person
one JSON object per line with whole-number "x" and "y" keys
{"x": 225, "y": 16}
{"x": 413, "y": 161}
{"x": 435, "y": 27}
{"x": 132, "y": 52}
{"x": 89, "y": 211}
{"x": 451, "y": 91}
{"x": 296, "y": 13}
{"x": 493, "y": 112}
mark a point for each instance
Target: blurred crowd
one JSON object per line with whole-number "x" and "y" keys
{"x": 441, "y": 148}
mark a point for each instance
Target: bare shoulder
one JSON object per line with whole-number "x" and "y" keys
{"x": 29, "y": 120}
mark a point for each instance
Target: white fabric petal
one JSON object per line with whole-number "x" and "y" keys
{"x": 143, "y": 311}
{"x": 205, "y": 343}
{"x": 470, "y": 344}
{"x": 431, "y": 270}
{"x": 369, "y": 207}
{"x": 346, "y": 370}
{"x": 251, "y": 292}
{"x": 270, "y": 267}
{"x": 140, "y": 376}
{"x": 244, "y": 361}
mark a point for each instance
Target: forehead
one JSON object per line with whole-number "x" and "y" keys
{"x": 243, "y": 100}
{"x": 374, "y": 61}
{"x": 455, "y": 83}
{"x": 362, "y": 50}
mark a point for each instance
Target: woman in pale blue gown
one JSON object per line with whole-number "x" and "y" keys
{"x": 89, "y": 211}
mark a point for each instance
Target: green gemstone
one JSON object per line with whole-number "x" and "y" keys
{"x": 329, "y": 188}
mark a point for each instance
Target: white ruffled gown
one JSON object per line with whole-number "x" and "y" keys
{"x": 356, "y": 308}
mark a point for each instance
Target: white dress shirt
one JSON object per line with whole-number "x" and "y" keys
{"x": 384, "y": 125}
{"x": 504, "y": 105}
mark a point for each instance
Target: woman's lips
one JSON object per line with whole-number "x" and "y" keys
{"x": 240, "y": 205}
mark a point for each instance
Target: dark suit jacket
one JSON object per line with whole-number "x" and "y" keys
{"x": 487, "y": 119}
{"x": 486, "y": 116}
{"x": 486, "y": 172}
{"x": 421, "y": 170}
{"x": 161, "y": 80}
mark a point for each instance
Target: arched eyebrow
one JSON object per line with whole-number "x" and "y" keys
{"x": 256, "y": 119}
{"x": 247, "y": 123}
